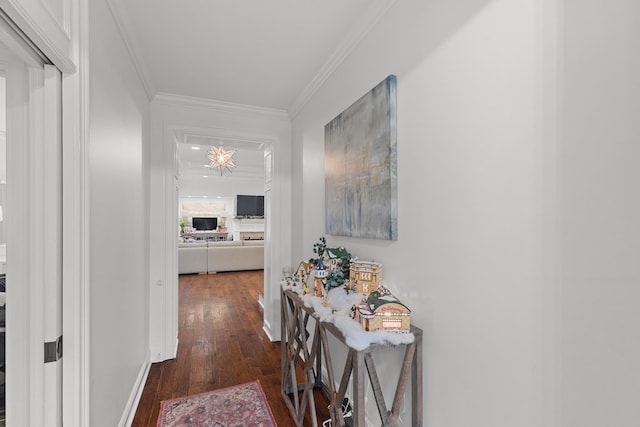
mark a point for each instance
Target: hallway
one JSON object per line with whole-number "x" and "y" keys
{"x": 221, "y": 343}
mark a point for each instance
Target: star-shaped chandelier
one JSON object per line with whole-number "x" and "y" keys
{"x": 221, "y": 159}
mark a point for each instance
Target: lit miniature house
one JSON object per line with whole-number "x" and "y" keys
{"x": 365, "y": 276}
{"x": 302, "y": 272}
{"x": 320, "y": 275}
{"x": 335, "y": 258}
{"x": 381, "y": 311}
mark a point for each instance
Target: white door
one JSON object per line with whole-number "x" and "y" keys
{"x": 33, "y": 216}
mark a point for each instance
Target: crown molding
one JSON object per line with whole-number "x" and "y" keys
{"x": 212, "y": 104}
{"x": 133, "y": 48}
{"x": 360, "y": 29}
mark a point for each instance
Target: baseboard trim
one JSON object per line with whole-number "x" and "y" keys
{"x": 132, "y": 404}
{"x": 267, "y": 330}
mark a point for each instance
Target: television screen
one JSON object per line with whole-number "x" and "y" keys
{"x": 249, "y": 205}
{"x": 200, "y": 223}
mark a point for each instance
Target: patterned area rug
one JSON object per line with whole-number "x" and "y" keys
{"x": 243, "y": 405}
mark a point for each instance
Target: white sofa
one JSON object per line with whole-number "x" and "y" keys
{"x": 192, "y": 257}
{"x": 235, "y": 255}
{"x": 215, "y": 256}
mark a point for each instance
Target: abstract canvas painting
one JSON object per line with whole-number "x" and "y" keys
{"x": 360, "y": 165}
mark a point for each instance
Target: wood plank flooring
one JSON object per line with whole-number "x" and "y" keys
{"x": 221, "y": 343}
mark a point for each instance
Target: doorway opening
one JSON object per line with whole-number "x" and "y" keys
{"x": 220, "y": 215}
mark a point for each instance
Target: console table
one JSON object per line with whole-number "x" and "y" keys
{"x": 206, "y": 235}
{"x": 301, "y": 351}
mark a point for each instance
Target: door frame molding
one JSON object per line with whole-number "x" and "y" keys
{"x": 76, "y": 390}
{"x": 164, "y": 315}
{"x": 66, "y": 44}
{"x": 56, "y": 39}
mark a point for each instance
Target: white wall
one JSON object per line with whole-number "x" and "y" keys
{"x": 598, "y": 338}
{"x": 517, "y": 204}
{"x": 3, "y": 154}
{"x": 3, "y": 129}
{"x": 223, "y": 187}
{"x": 170, "y": 114}
{"x": 118, "y": 216}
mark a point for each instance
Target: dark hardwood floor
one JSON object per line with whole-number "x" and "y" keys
{"x": 221, "y": 343}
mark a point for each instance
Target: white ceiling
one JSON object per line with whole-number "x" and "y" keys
{"x": 270, "y": 54}
{"x": 252, "y": 52}
{"x": 193, "y": 158}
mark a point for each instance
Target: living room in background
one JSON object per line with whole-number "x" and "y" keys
{"x": 220, "y": 216}
{"x": 205, "y": 194}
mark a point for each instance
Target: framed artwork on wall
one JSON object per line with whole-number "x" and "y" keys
{"x": 360, "y": 165}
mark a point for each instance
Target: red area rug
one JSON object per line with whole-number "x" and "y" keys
{"x": 243, "y": 405}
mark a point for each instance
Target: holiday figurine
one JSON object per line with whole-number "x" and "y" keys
{"x": 321, "y": 273}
